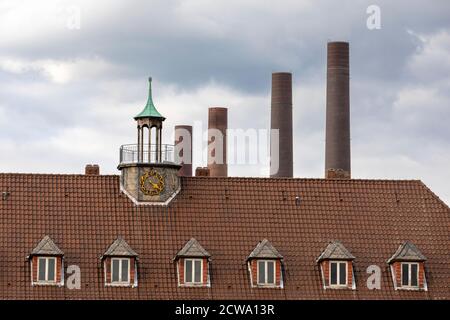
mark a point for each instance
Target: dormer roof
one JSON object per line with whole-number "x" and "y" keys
{"x": 265, "y": 250}
{"x": 120, "y": 248}
{"x": 46, "y": 247}
{"x": 407, "y": 251}
{"x": 192, "y": 249}
{"x": 335, "y": 251}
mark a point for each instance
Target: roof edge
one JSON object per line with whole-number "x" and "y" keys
{"x": 434, "y": 195}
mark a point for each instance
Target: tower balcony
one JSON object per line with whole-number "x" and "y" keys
{"x": 155, "y": 154}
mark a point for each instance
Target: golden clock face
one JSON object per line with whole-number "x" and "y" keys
{"x": 152, "y": 183}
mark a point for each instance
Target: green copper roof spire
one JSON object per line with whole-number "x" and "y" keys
{"x": 150, "y": 109}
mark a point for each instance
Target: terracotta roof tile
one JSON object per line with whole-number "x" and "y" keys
{"x": 83, "y": 214}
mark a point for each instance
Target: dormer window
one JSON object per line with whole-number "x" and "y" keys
{"x": 407, "y": 267}
{"x": 120, "y": 265}
{"x": 264, "y": 264}
{"x": 120, "y": 271}
{"x": 192, "y": 263}
{"x": 410, "y": 275}
{"x": 193, "y": 270}
{"x": 266, "y": 272}
{"x": 338, "y": 273}
{"x": 336, "y": 267}
{"x": 46, "y": 261}
{"x": 46, "y": 270}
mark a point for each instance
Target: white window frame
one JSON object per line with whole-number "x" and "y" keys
{"x": 120, "y": 282}
{"x": 338, "y": 274}
{"x": 409, "y": 286}
{"x": 266, "y": 283}
{"x": 46, "y": 281}
{"x": 193, "y": 283}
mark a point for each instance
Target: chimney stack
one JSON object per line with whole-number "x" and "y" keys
{"x": 337, "y": 144}
{"x": 217, "y": 142}
{"x": 183, "y": 149}
{"x": 202, "y": 172}
{"x": 281, "y": 165}
{"x": 92, "y": 170}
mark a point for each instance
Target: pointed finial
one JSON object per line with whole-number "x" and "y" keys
{"x": 150, "y": 89}
{"x": 149, "y": 109}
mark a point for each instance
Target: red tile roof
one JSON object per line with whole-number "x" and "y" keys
{"x": 83, "y": 215}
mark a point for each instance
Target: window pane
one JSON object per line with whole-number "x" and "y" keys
{"x": 333, "y": 277}
{"x": 261, "y": 272}
{"x": 270, "y": 272}
{"x": 342, "y": 273}
{"x": 125, "y": 270}
{"x": 188, "y": 271}
{"x": 51, "y": 270}
{"x": 41, "y": 268}
{"x": 115, "y": 270}
{"x": 414, "y": 275}
{"x": 405, "y": 274}
{"x": 198, "y": 271}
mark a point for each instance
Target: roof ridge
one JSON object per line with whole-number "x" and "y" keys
{"x": 57, "y": 174}
{"x": 230, "y": 178}
{"x": 305, "y": 179}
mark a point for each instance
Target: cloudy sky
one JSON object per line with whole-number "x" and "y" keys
{"x": 74, "y": 73}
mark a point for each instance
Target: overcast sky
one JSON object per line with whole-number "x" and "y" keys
{"x": 74, "y": 73}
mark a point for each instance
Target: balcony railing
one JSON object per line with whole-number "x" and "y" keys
{"x": 129, "y": 153}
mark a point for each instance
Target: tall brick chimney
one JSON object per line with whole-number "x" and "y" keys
{"x": 337, "y": 144}
{"x": 183, "y": 149}
{"x": 281, "y": 155}
{"x": 217, "y": 141}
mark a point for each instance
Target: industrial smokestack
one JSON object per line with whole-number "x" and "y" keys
{"x": 183, "y": 150}
{"x": 337, "y": 144}
{"x": 281, "y": 154}
{"x": 217, "y": 142}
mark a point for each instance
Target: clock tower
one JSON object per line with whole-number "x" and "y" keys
{"x": 149, "y": 175}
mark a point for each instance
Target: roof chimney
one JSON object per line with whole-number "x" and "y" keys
{"x": 337, "y": 144}
{"x": 281, "y": 156}
{"x": 92, "y": 170}
{"x": 217, "y": 142}
{"x": 183, "y": 150}
{"x": 202, "y": 172}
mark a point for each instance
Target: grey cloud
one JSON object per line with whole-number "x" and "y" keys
{"x": 188, "y": 47}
